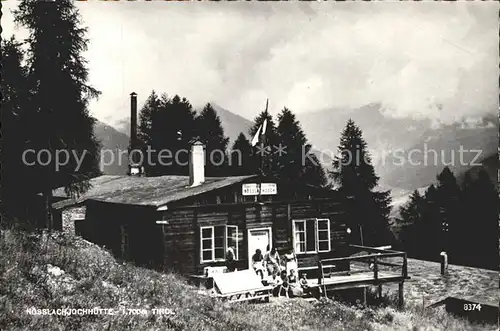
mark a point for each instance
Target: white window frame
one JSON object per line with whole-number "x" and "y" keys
{"x": 329, "y": 235}
{"x": 212, "y": 249}
{"x": 316, "y": 235}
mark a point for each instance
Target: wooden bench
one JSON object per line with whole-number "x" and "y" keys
{"x": 244, "y": 285}
{"x": 245, "y": 295}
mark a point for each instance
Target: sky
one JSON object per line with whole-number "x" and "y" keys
{"x": 422, "y": 59}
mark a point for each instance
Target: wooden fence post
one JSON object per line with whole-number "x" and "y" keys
{"x": 401, "y": 303}
{"x": 320, "y": 273}
{"x": 405, "y": 266}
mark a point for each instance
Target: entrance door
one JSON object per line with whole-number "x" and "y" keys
{"x": 258, "y": 239}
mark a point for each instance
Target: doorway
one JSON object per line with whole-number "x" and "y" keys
{"x": 258, "y": 239}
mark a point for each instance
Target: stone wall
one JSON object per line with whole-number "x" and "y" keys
{"x": 69, "y": 216}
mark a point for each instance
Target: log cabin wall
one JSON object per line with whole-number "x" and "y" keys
{"x": 128, "y": 231}
{"x": 339, "y": 241}
{"x": 233, "y": 194}
{"x": 182, "y": 237}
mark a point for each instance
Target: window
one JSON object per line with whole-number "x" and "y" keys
{"x": 323, "y": 226}
{"x": 312, "y": 235}
{"x": 215, "y": 240}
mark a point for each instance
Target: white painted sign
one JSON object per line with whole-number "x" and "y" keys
{"x": 262, "y": 189}
{"x": 268, "y": 188}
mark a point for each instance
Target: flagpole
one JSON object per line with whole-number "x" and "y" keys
{"x": 262, "y": 154}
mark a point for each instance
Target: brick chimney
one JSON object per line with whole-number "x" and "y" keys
{"x": 197, "y": 164}
{"x": 134, "y": 169}
{"x": 444, "y": 263}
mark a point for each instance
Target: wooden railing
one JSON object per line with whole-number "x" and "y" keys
{"x": 374, "y": 257}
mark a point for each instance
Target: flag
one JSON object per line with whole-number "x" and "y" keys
{"x": 261, "y": 131}
{"x": 255, "y": 139}
{"x": 264, "y": 127}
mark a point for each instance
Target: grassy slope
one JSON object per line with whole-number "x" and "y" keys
{"x": 93, "y": 278}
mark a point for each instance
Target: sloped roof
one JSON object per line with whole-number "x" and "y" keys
{"x": 145, "y": 191}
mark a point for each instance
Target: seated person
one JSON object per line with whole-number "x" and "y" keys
{"x": 306, "y": 288}
{"x": 258, "y": 263}
{"x": 274, "y": 281}
{"x": 293, "y": 282}
{"x": 230, "y": 260}
{"x": 272, "y": 262}
{"x": 285, "y": 286}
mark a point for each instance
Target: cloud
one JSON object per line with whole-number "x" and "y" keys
{"x": 435, "y": 60}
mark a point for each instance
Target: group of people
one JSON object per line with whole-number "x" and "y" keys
{"x": 280, "y": 272}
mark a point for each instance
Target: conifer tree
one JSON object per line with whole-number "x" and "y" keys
{"x": 242, "y": 162}
{"x": 412, "y": 214}
{"x": 296, "y": 161}
{"x": 172, "y": 131}
{"x": 476, "y": 234}
{"x": 145, "y": 131}
{"x": 431, "y": 228}
{"x": 15, "y": 190}
{"x": 448, "y": 193}
{"x": 150, "y": 107}
{"x": 58, "y": 115}
{"x": 355, "y": 175}
{"x": 210, "y": 132}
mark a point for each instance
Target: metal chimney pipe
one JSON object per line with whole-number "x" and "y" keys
{"x": 133, "y": 120}
{"x": 134, "y": 168}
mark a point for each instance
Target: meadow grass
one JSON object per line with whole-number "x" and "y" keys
{"x": 52, "y": 271}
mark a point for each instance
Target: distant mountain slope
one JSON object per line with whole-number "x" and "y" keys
{"x": 420, "y": 167}
{"x": 112, "y": 142}
{"x": 388, "y": 137}
{"x": 490, "y": 164}
{"x": 233, "y": 124}
{"x": 382, "y": 133}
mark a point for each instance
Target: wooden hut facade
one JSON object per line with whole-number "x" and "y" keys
{"x": 187, "y": 223}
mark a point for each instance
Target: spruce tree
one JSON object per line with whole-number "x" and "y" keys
{"x": 172, "y": 131}
{"x": 296, "y": 162}
{"x": 15, "y": 190}
{"x": 476, "y": 238}
{"x": 412, "y": 214}
{"x": 150, "y": 107}
{"x": 210, "y": 132}
{"x": 429, "y": 233}
{"x": 144, "y": 130}
{"x": 355, "y": 175}
{"x": 413, "y": 210}
{"x": 242, "y": 162}
{"x": 448, "y": 193}
{"x": 313, "y": 173}
{"x": 58, "y": 115}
